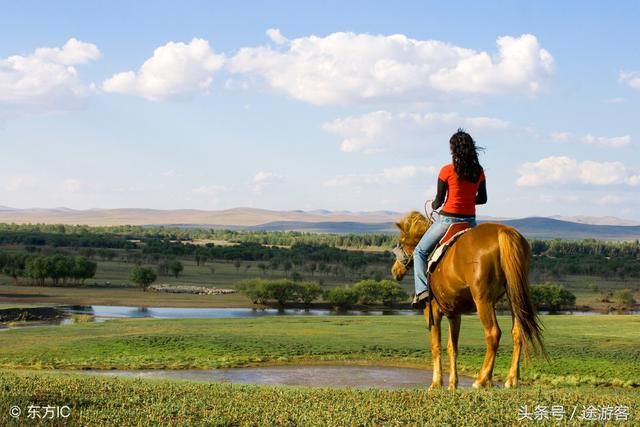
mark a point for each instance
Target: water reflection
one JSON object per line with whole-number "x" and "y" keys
{"x": 310, "y": 376}
{"x": 111, "y": 311}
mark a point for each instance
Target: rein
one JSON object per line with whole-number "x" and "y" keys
{"x": 405, "y": 259}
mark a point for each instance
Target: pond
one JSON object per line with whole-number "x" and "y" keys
{"x": 309, "y": 376}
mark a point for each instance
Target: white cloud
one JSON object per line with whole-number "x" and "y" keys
{"x": 562, "y": 136}
{"x": 344, "y": 68}
{"x": 46, "y": 80}
{"x": 276, "y": 36}
{"x": 174, "y": 69}
{"x": 589, "y": 139}
{"x": 604, "y": 141}
{"x": 169, "y": 173}
{"x": 565, "y": 170}
{"x": 378, "y": 130}
{"x": 262, "y": 180}
{"x": 387, "y": 176}
{"x": 631, "y": 79}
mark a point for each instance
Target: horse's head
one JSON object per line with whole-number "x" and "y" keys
{"x": 411, "y": 227}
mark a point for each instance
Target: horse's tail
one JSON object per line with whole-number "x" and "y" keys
{"x": 514, "y": 258}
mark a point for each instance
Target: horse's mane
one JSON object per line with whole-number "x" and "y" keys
{"x": 413, "y": 226}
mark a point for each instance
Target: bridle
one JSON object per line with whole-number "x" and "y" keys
{"x": 398, "y": 250}
{"x": 402, "y": 256}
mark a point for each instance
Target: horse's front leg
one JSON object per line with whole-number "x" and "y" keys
{"x": 436, "y": 381}
{"x": 452, "y": 350}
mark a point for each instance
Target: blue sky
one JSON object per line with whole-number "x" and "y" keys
{"x": 300, "y": 105}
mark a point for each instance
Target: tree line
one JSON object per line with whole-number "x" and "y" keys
{"x": 366, "y": 292}
{"x": 59, "y": 269}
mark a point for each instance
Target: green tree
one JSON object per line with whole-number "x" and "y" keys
{"x": 342, "y": 298}
{"x": 142, "y": 276}
{"x": 551, "y": 296}
{"x": 369, "y": 291}
{"x": 254, "y": 289}
{"x": 282, "y": 291}
{"x": 83, "y": 269}
{"x": 15, "y": 266}
{"x": 309, "y": 291}
{"x": 176, "y": 267}
{"x": 391, "y": 293}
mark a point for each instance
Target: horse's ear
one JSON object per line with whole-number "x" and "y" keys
{"x": 399, "y": 225}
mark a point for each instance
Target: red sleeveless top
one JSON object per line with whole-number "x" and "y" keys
{"x": 461, "y": 194}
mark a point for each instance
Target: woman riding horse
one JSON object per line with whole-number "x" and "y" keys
{"x": 463, "y": 184}
{"x": 474, "y": 273}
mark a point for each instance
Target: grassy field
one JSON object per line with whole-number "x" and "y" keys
{"x": 597, "y": 350}
{"x": 24, "y": 296}
{"x": 125, "y": 402}
{"x": 593, "y": 362}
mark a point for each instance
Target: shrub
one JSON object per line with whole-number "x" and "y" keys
{"x": 309, "y": 291}
{"x": 369, "y": 291}
{"x": 551, "y": 296}
{"x": 385, "y": 291}
{"x": 391, "y": 292}
{"x": 624, "y": 299}
{"x": 254, "y": 289}
{"x": 281, "y": 291}
{"x": 342, "y": 298}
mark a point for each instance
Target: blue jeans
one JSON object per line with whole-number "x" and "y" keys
{"x": 428, "y": 243}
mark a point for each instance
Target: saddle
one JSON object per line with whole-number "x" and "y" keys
{"x": 454, "y": 231}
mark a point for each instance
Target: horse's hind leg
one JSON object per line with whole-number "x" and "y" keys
{"x": 514, "y": 372}
{"x": 487, "y": 315}
{"x": 436, "y": 381}
{"x": 452, "y": 350}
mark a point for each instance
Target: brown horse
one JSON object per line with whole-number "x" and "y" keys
{"x": 475, "y": 272}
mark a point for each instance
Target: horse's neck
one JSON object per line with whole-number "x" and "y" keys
{"x": 418, "y": 230}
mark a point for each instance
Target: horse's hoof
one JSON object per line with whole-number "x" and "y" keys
{"x": 511, "y": 383}
{"x": 435, "y": 386}
{"x": 452, "y": 387}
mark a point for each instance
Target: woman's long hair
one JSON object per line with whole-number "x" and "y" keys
{"x": 465, "y": 156}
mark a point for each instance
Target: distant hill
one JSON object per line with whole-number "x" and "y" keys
{"x": 548, "y": 228}
{"x": 317, "y": 221}
{"x": 534, "y": 228}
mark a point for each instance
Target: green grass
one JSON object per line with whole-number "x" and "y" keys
{"x": 580, "y": 287}
{"x": 593, "y": 362}
{"x": 120, "y": 402}
{"x": 25, "y": 296}
{"x": 599, "y": 350}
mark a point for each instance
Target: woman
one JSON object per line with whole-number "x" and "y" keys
{"x": 462, "y": 183}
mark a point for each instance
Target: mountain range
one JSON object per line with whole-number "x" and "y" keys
{"x": 574, "y": 227}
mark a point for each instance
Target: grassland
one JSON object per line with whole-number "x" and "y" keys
{"x": 124, "y": 402}
{"x": 593, "y": 361}
{"x": 602, "y": 350}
